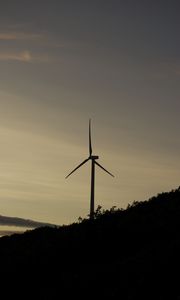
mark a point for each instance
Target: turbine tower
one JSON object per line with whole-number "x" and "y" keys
{"x": 94, "y": 162}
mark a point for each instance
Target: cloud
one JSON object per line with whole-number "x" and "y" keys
{"x": 43, "y": 38}
{"x": 25, "y": 40}
{"x": 24, "y": 56}
{"x": 12, "y": 36}
{"x": 20, "y": 222}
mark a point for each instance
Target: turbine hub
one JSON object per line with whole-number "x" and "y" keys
{"x": 94, "y": 157}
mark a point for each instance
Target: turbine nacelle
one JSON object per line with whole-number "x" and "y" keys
{"x": 94, "y": 157}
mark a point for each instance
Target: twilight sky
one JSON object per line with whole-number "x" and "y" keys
{"x": 65, "y": 61}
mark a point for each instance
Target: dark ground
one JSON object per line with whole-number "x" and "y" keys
{"x": 122, "y": 254}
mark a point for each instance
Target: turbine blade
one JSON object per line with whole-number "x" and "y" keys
{"x": 77, "y": 167}
{"x": 103, "y": 168}
{"x": 90, "y": 145}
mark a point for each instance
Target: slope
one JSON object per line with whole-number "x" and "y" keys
{"x": 122, "y": 254}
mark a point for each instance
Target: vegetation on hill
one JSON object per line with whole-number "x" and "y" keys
{"x": 123, "y": 254}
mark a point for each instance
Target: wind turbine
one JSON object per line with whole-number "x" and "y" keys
{"x": 94, "y": 162}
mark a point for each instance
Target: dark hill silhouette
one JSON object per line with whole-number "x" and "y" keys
{"x": 121, "y": 254}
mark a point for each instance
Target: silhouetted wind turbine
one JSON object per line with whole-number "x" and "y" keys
{"x": 93, "y": 159}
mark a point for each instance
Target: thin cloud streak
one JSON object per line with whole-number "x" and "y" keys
{"x": 43, "y": 38}
{"x": 24, "y": 56}
{"x": 20, "y": 222}
{"x": 22, "y": 39}
{"x": 12, "y": 36}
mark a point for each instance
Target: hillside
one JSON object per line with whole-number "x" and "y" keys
{"x": 122, "y": 254}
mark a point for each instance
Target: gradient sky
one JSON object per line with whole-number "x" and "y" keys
{"x": 63, "y": 62}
